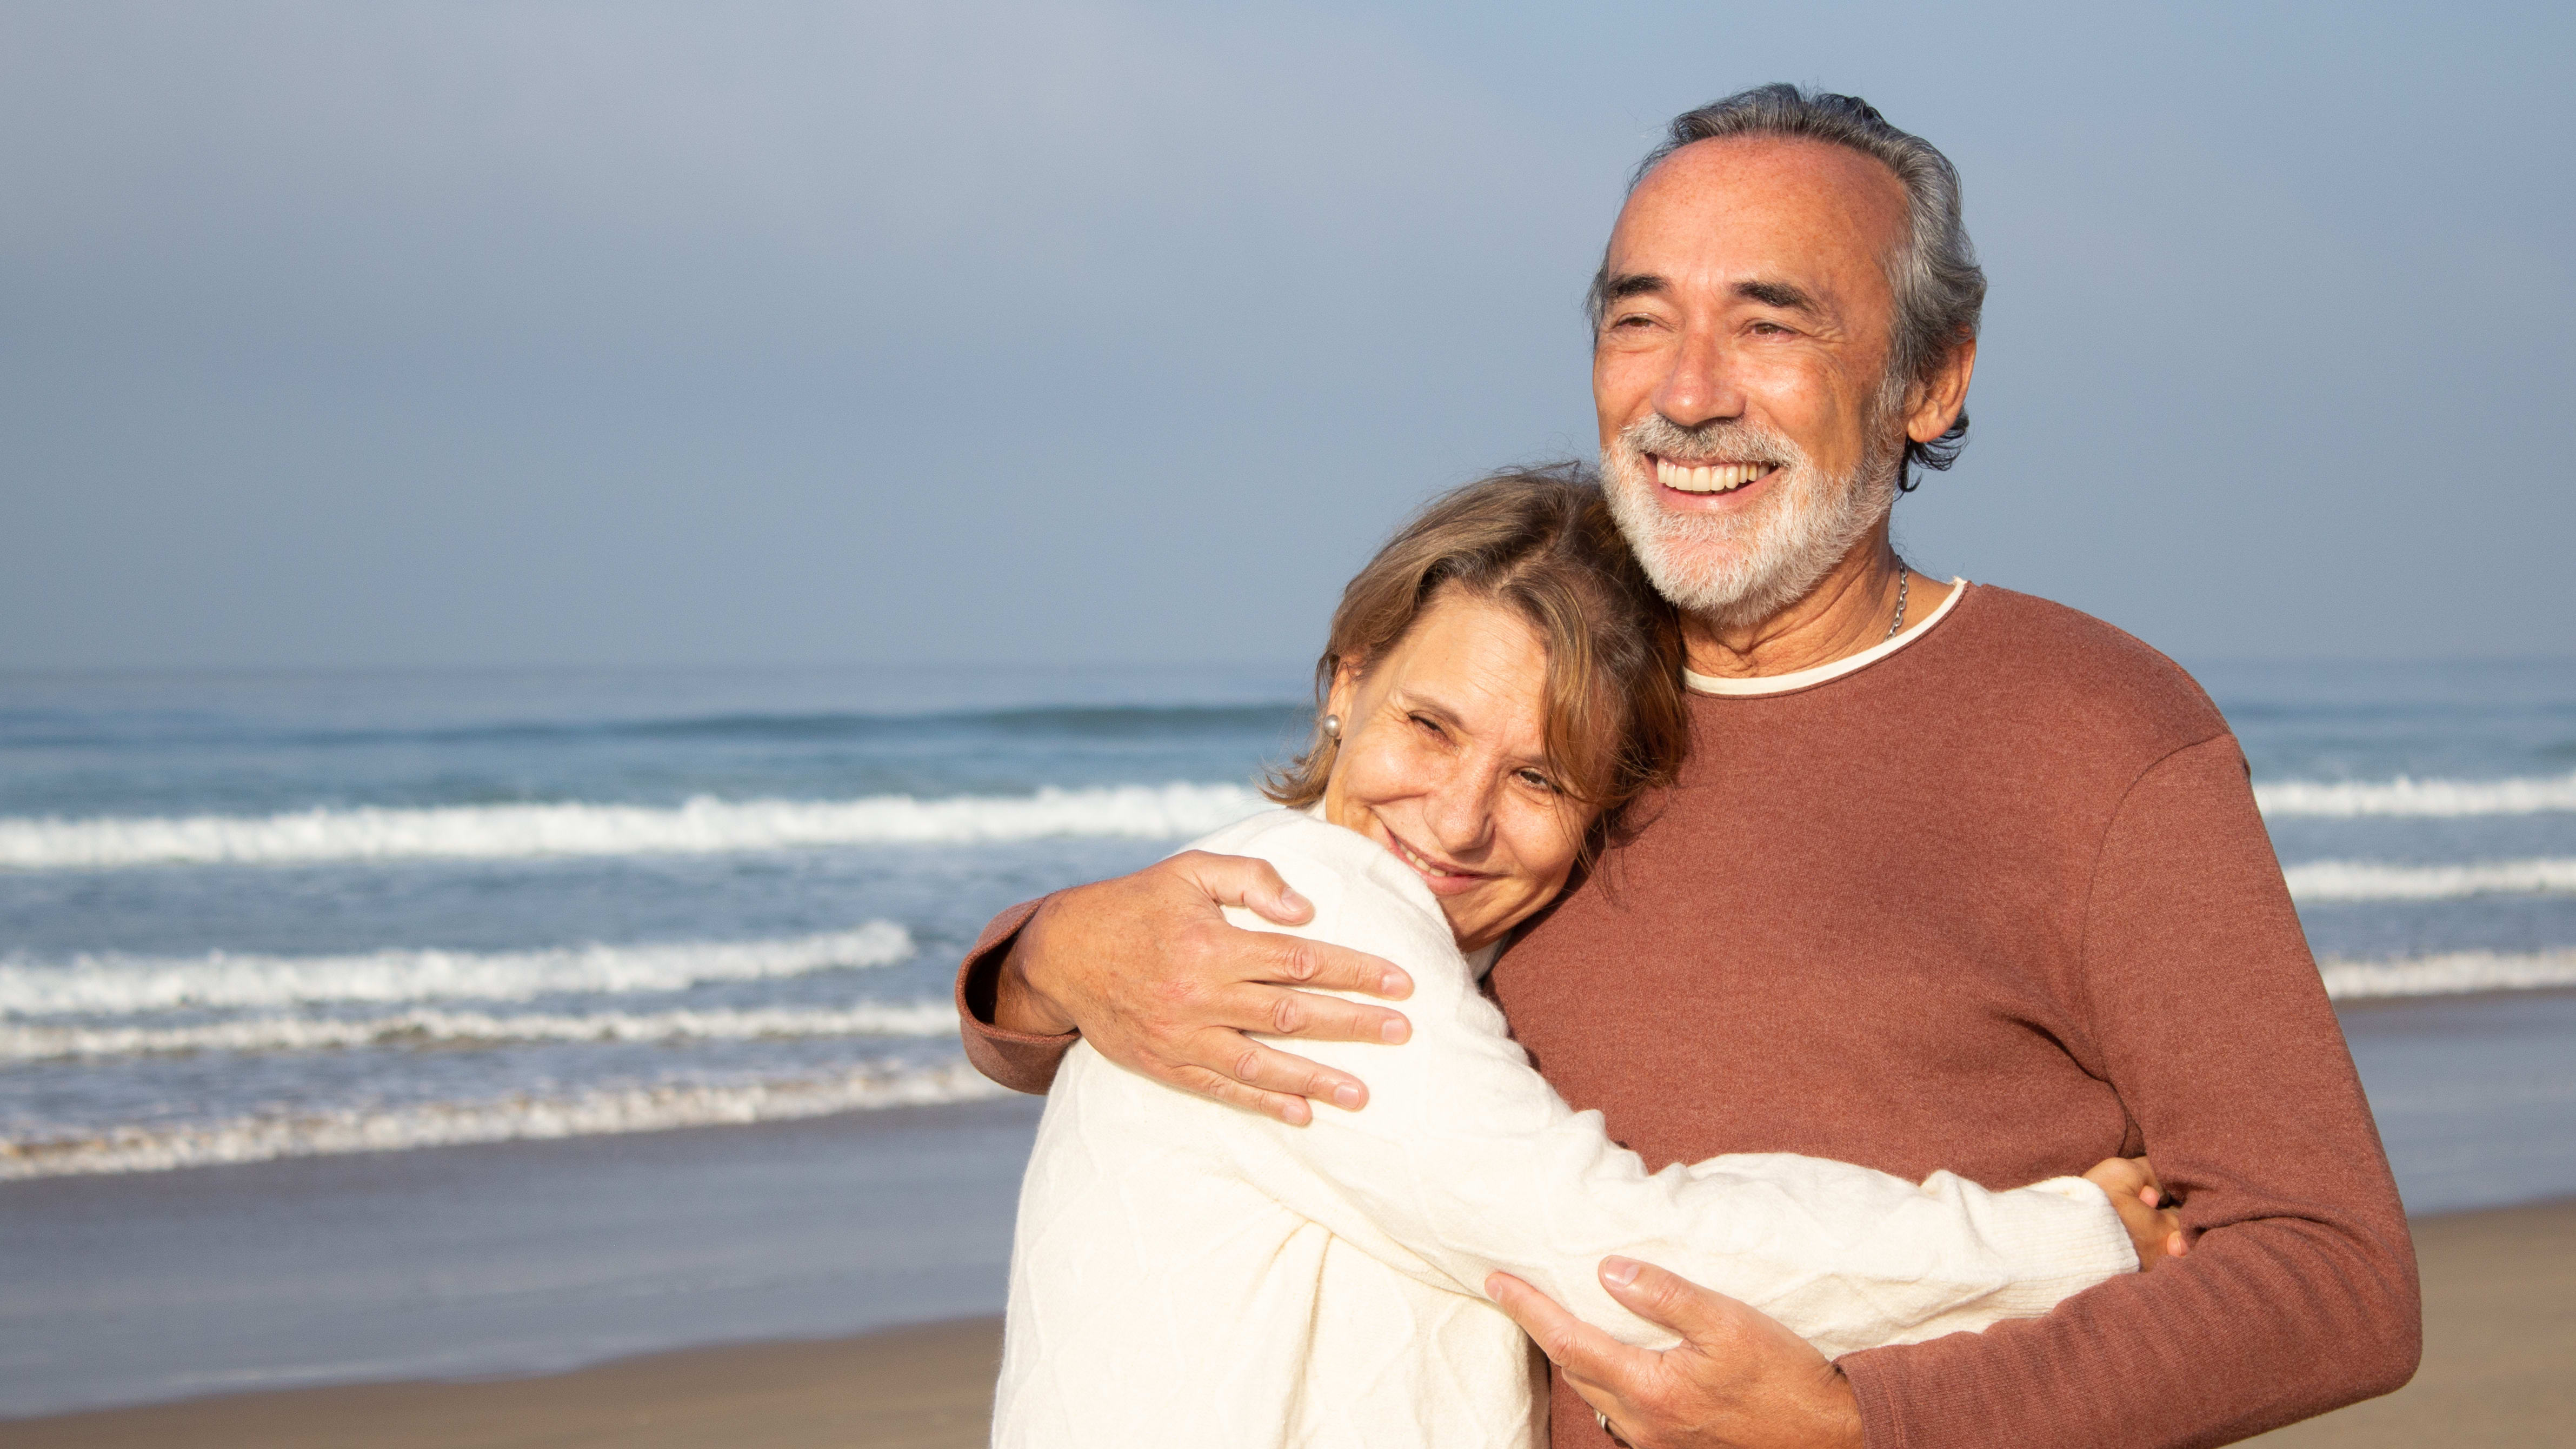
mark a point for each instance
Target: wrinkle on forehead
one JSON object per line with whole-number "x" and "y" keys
{"x": 1485, "y": 667}
{"x": 1720, "y": 214}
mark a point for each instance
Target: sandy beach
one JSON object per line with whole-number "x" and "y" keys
{"x": 2500, "y": 1323}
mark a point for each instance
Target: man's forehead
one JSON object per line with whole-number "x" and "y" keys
{"x": 1722, "y": 209}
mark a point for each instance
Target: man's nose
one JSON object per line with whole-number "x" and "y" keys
{"x": 1700, "y": 386}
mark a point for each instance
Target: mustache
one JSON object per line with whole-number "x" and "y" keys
{"x": 1727, "y": 439}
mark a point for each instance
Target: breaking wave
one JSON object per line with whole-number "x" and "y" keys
{"x": 702, "y": 825}
{"x": 2366, "y": 880}
{"x": 110, "y": 984}
{"x": 430, "y": 1028}
{"x": 516, "y": 1118}
{"x": 2454, "y": 974}
{"x": 2402, "y": 796}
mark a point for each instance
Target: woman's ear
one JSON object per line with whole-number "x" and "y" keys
{"x": 1344, "y": 696}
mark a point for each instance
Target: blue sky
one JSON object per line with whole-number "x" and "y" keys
{"x": 626, "y": 333}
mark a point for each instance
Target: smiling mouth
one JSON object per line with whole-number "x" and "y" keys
{"x": 1427, "y": 867}
{"x": 1709, "y": 477}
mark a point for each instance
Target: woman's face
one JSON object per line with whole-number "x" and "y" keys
{"x": 1443, "y": 762}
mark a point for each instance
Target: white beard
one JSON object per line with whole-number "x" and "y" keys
{"x": 1746, "y": 567}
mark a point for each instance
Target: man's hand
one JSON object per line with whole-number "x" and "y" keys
{"x": 1739, "y": 1379}
{"x": 2154, "y": 1224}
{"x": 1146, "y": 968}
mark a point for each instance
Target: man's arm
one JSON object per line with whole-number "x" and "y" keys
{"x": 2299, "y": 1294}
{"x": 1146, "y": 969}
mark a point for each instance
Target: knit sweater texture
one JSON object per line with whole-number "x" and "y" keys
{"x": 2001, "y": 903}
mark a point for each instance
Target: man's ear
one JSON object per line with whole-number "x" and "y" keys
{"x": 1933, "y": 404}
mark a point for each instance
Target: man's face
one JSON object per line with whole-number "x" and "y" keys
{"x": 1737, "y": 373}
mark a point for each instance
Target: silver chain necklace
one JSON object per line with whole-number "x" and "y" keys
{"x": 1903, "y": 578}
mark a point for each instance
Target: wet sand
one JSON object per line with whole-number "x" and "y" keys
{"x": 909, "y": 1388}
{"x": 2499, "y": 1369}
{"x": 2499, "y": 1341}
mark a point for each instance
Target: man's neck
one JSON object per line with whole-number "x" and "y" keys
{"x": 1847, "y": 611}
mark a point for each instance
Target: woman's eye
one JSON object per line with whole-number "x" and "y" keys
{"x": 1430, "y": 724}
{"x": 1537, "y": 781}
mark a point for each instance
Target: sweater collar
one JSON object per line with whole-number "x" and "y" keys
{"x": 1805, "y": 678}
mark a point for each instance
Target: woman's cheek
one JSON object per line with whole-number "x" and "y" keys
{"x": 1382, "y": 770}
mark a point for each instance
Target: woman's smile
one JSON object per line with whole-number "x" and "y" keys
{"x": 1444, "y": 878}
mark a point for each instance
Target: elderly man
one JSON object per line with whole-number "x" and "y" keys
{"x": 1955, "y": 878}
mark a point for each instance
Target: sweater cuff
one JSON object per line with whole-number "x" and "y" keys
{"x": 1881, "y": 1426}
{"x": 2056, "y": 1237}
{"x": 1021, "y": 1061}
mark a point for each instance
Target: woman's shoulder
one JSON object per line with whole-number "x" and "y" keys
{"x": 1341, "y": 871}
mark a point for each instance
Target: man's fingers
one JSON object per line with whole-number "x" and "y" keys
{"x": 1235, "y": 880}
{"x": 1263, "y": 1069}
{"x": 1322, "y": 966}
{"x": 1281, "y": 1106}
{"x": 1588, "y": 1355}
{"x": 1658, "y": 1296}
{"x": 1278, "y": 1011}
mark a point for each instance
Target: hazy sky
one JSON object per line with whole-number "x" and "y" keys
{"x": 609, "y": 333}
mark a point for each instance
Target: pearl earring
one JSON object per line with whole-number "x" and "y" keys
{"x": 1332, "y": 727}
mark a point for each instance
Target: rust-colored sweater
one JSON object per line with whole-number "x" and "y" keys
{"x": 1998, "y": 902}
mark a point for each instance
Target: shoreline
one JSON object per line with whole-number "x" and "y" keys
{"x": 500, "y": 1259}
{"x": 2500, "y": 1328}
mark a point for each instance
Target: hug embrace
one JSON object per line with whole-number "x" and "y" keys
{"x": 1706, "y": 983}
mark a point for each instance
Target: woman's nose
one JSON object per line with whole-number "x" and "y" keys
{"x": 1461, "y": 814}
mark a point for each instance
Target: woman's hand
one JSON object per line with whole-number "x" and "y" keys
{"x": 2154, "y": 1224}
{"x": 1148, "y": 970}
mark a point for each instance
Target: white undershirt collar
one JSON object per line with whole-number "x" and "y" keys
{"x": 1783, "y": 683}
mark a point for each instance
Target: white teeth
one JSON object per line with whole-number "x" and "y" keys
{"x": 1708, "y": 477}
{"x": 1418, "y": 863}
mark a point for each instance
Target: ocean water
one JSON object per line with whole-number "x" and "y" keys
{"x": 253, "y": 916}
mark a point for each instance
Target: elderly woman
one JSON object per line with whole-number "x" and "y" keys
{"x": 1500, "y": 685}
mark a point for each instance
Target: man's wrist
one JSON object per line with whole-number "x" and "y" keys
{"x": 1019, "y": 1006}
{"x": 1842, "y": 1426}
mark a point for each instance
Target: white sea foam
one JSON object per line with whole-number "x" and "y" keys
{"x": 610, "y": 1110}
{"x": 2370, "y": 880}
{"x": 2452, "y": 974}
{"x": 2403, "y": 796}
{"x": 23, "y": 1043}
{"x": 111, "y": 984}
{"x": 703, "y": 825}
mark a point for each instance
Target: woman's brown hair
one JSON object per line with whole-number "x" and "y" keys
{"x": 1540, "y": 542}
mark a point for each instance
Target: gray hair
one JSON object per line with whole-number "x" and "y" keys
{"x": 1940, "y": 290}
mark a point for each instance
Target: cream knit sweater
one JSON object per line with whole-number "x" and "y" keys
{"x": 1189, "y": 1274}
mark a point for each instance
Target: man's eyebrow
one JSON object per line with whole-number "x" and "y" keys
{"x": 1778, "y": 294}
{"x": 1636, "y": 284}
